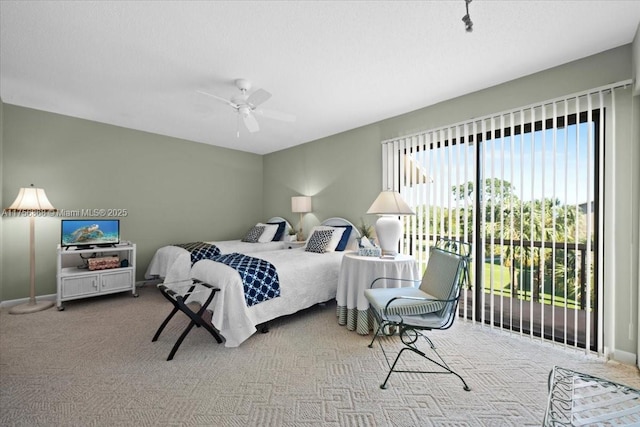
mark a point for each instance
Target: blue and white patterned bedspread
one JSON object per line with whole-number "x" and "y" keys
{"x": 200, "y": 250}
{"x": 259, "y": 277}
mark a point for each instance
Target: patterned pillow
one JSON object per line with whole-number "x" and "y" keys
{"x": 318, "y": 241}
{"x": 254, "y": 234}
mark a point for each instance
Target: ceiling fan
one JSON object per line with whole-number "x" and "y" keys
{"x": 246, "y": 106}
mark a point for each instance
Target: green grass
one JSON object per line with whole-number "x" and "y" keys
{"x": 498, "y": 278}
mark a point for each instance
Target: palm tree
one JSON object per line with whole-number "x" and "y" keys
{"x": 508, "y": 218}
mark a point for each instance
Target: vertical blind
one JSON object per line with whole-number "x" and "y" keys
{"x": 524, "y": 187}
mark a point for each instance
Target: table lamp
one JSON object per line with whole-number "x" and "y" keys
{"x": 31, "y": 200}
{"x": 301, "y": 205}
{"x": 389, "y": 205}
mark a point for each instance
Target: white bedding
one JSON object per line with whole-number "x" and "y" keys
{"x": 306, "y": 278}
{"x": 173, "y": 263}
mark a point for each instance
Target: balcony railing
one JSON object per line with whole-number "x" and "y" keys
{"x": 541, "y": 289}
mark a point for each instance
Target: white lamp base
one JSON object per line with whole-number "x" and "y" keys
{"x": 388, "y": 230}
{"x": 31, "y": 307}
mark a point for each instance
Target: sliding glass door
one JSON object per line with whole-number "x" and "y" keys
{"x": 524, "y": 188}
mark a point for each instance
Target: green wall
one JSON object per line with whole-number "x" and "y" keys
{"x": 341, "y": 173}
{"x": 173, "y": 190}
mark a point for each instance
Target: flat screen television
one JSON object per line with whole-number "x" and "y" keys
{"x": 94, "y": 232}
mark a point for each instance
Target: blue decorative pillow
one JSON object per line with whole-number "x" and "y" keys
{"x": 342, "y": 245}
{"x": 278, "y": 235}
{"x": 318, "y": 241}
{"x": 254, "y": 234}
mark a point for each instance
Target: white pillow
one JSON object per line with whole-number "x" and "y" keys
{"x": 335, "y": 236}
{"x": 269, "y": 232}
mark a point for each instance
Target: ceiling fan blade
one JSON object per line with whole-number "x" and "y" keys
{"x": 250, "y": 122}
{"x": 258, "y": 97}
{"x": 276, "y": 115}
{"x": 219, "y": 98}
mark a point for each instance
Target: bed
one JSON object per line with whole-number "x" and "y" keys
{"x": 305, "y": 278}
{"x": 173, "y": 263}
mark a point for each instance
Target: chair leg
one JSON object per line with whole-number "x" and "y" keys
{"x": 375, "y": 334}
{"x": 442, "y": 364}
{"x": 384, "y": 384}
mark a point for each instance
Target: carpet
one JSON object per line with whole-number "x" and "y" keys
{"x": 94, "y": 364}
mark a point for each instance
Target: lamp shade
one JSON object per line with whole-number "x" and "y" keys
{"x": 31, "y": 199}
{"x": 301, "y": 204}
{"x": 390, "y": 203}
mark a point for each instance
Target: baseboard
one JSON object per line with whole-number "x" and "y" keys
{"x": 52, "y": 297}
{"x": 151, "y": 282}
{"x": 625, "y": 357}
{"x": 12, "y": 302}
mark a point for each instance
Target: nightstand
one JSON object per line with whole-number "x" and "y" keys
{"x": 294, "y": 245}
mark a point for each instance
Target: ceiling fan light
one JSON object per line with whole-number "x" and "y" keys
{"x": 245, "y": 111}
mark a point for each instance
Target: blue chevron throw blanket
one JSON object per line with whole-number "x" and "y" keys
{"x": 259, "y": 277}
{"x": 200, "y": 250}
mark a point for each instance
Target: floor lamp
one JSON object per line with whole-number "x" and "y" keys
{"x": 301, "y": 205}
{"x": 31, "y": 201}
{"x": 389, "y": 204}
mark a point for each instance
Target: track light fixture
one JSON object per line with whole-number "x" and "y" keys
{"x": 468, "y": 24}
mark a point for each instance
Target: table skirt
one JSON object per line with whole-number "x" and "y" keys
{"x": 355, "y": 320}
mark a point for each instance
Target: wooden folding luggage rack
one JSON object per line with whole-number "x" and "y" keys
{"x": 178, "y": 293}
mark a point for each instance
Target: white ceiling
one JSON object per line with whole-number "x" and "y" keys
{"x": 336, "y": 65}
